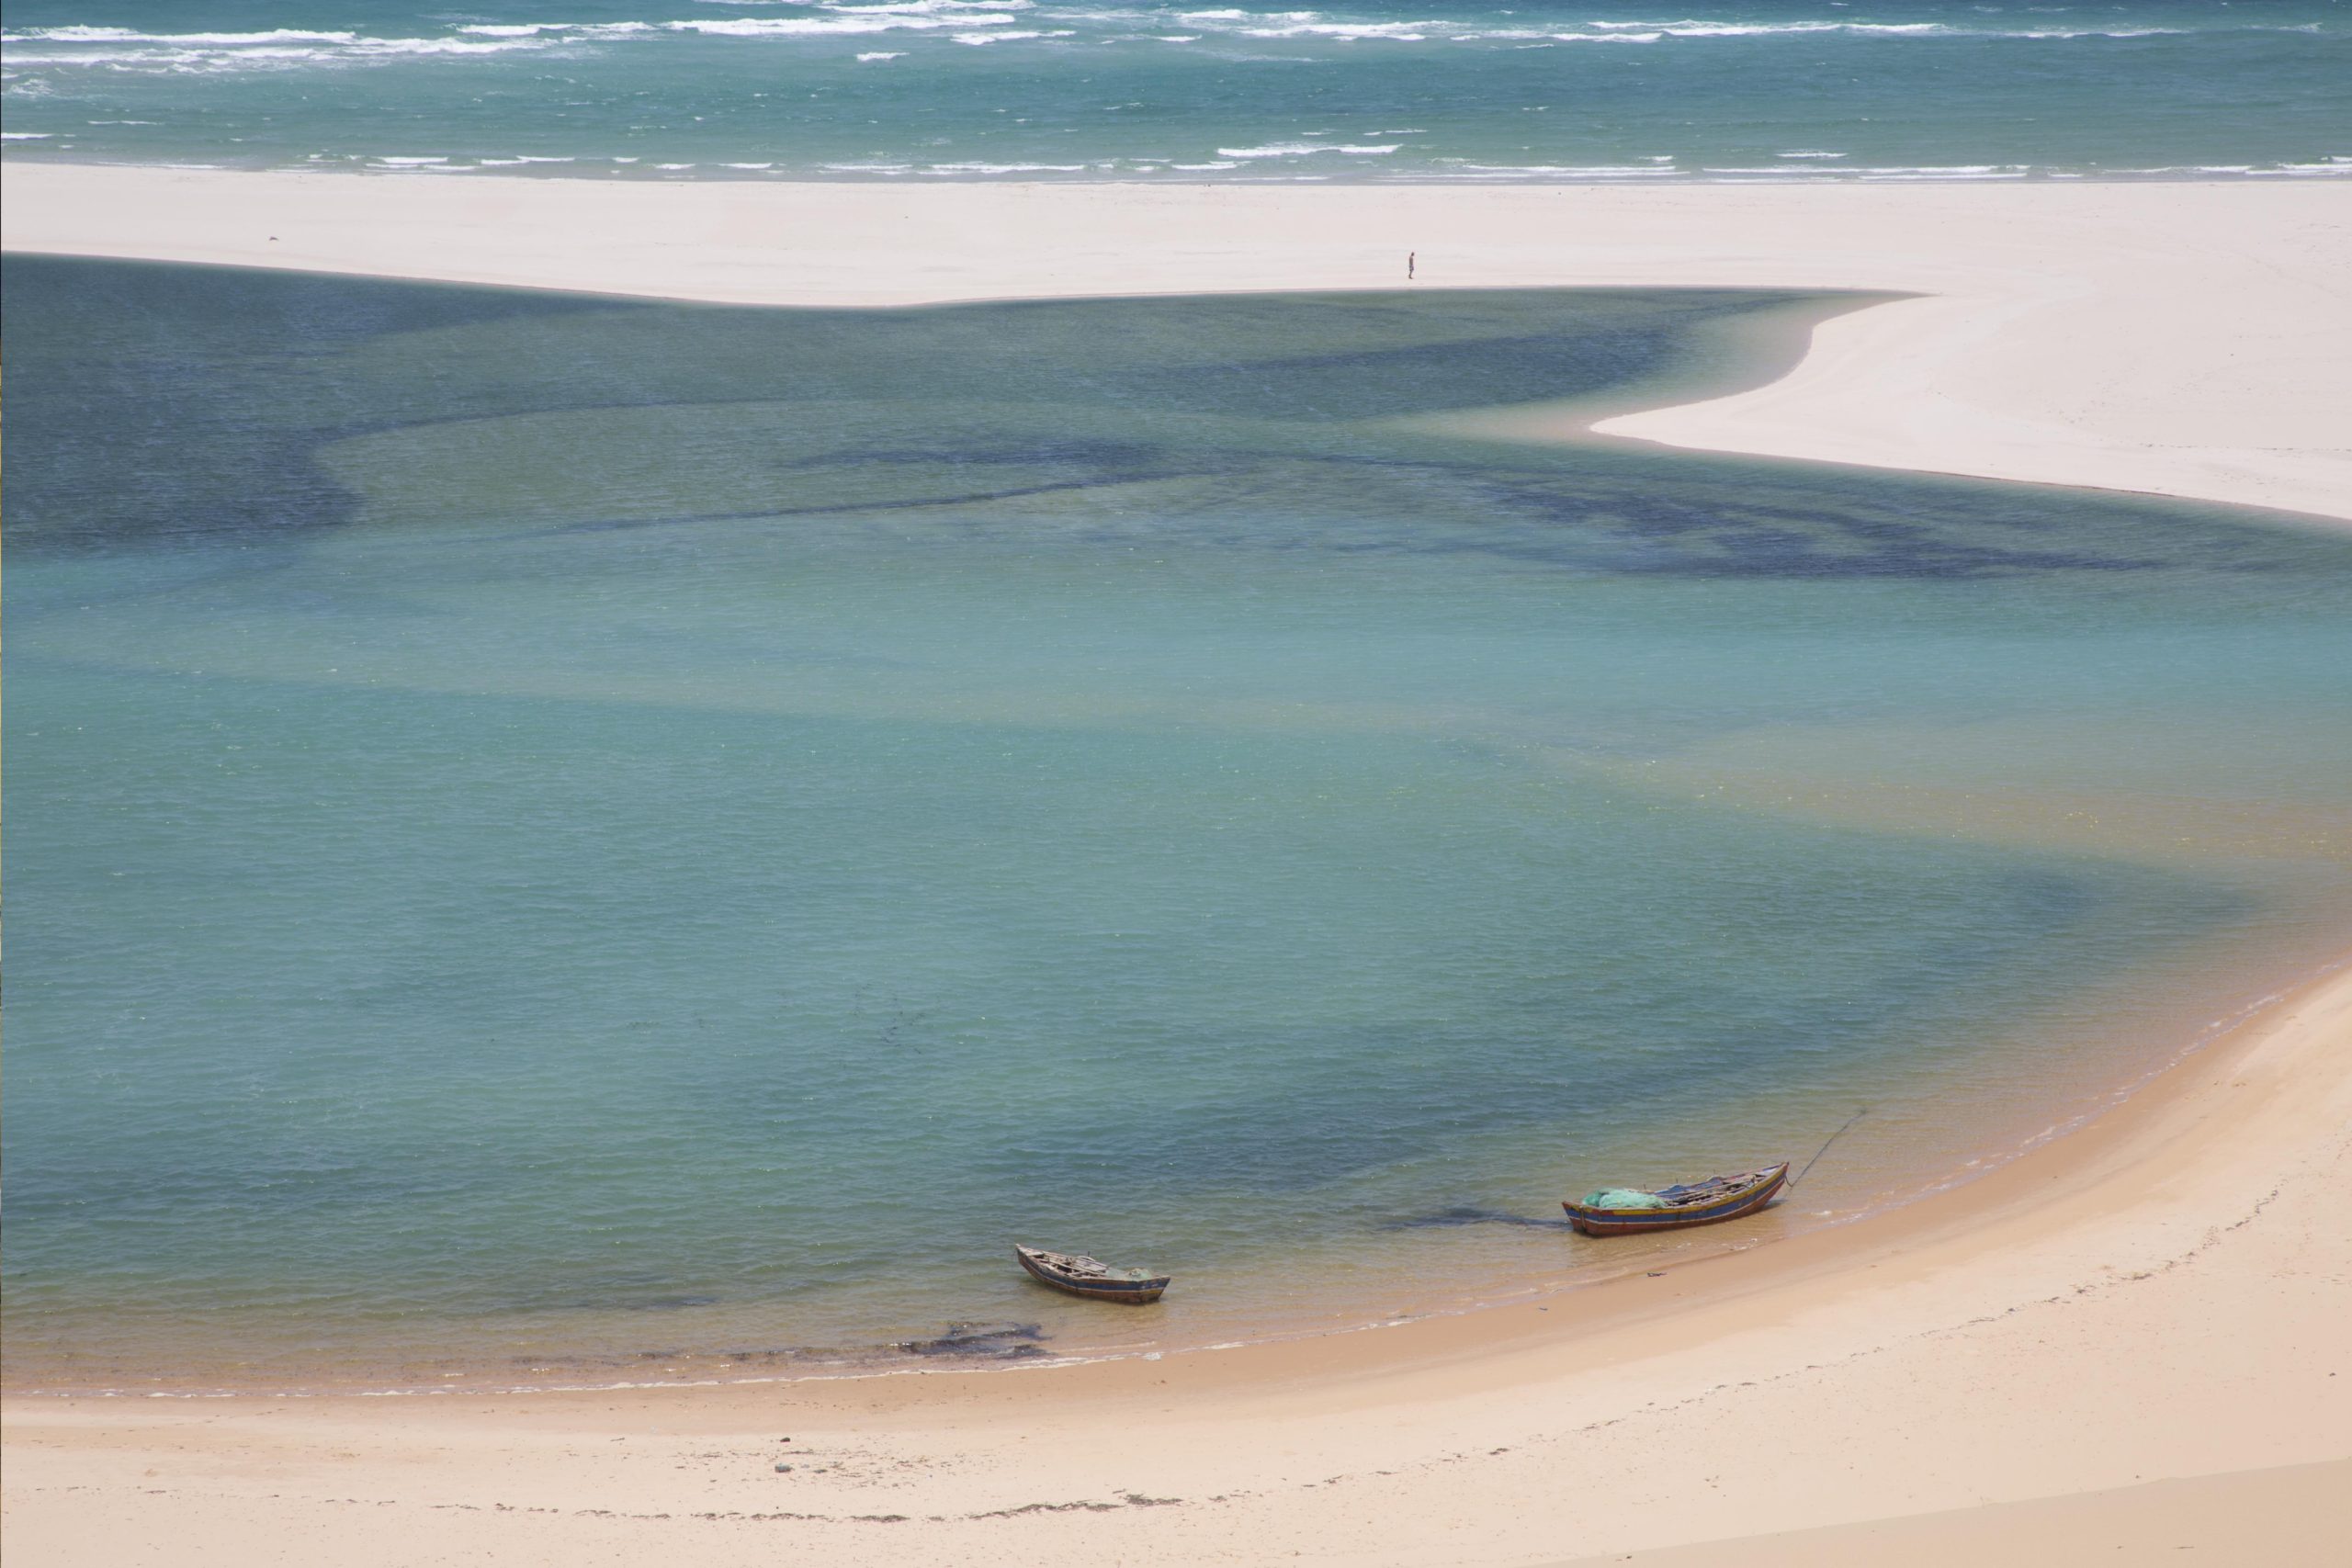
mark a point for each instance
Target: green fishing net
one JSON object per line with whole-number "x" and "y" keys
{"x": 1622, "y": 1197}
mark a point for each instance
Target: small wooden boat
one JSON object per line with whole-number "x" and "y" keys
{"x": 1671, "y": 1208}
{"x": 1091, "y": 1276}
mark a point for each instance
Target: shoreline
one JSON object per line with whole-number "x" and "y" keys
{"x": 2182, "y": 339}
{"x": 2084, "y": 1104}
{"x": 2199, "y": 1201}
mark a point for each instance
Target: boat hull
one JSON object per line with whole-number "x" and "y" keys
{"x": 1733, "y": 1205}
{"x": 1130, "y": 1292}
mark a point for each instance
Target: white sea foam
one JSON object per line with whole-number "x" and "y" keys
{"x": 2101, "y": 32}
{"x": 1402, "y": 32}
{"x": 1693, "y": 28}
{"x": 269, "y": 45}
{"x": 1005, "y": 169}
{"x": 542, "y": 29}
{"x": 1566, "y": 171}
{"x": 26, "y": 135}
{"x": 1522, "y": 36}
{"x": 930, "y": 7}
{"x": 818, "y": 27}
{"x": 1302, "y": 148}
{"x": 1947, "y": 172}
{"x": 437, "y": 46}
{"x": 942, "y": 15}
{"x": 174, "y": 54}
{"x": 1757, "y": 29}
{"x": 883, "y": 54}
{"x": 132, "y": 34}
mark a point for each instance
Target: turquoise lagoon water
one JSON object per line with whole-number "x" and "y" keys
{"x": 555, "y": 838}
{"x": 1093, "y": 89}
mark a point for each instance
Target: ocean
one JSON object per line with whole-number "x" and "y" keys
{"x": 555, "y": 840}
{"x": 923, "y": 90}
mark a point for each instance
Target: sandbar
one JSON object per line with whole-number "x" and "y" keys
{"x": 2174, "y": 338}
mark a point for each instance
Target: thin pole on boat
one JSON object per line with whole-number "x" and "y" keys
{"x": 1824, "y": 1149}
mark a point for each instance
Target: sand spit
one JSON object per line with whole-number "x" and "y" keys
{"x": 2178, "y": 339}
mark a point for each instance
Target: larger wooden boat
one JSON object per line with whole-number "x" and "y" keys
{"x": 1091, "y": 1276}
{"x": 1689, "y": 1204}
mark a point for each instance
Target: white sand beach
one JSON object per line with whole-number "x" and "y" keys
{"x": 2125, "y": 1346}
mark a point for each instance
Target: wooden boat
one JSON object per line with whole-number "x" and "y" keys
{"x": 1690, "y": 1203}
{"x": 1091, "y": 1276}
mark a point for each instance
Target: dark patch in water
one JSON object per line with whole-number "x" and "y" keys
{"x": 183, "y": 404}
{"x": 1649, "y": 529}
{"x": 187, "y": 404}
{"x": 1122, "y": 457}
{"x": 981, "y": 1341}
{"x": 965, "y": 498}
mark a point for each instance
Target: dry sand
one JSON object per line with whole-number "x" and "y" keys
{"x": 2182, "y": 339}
{"x": 2128, "y": 1347}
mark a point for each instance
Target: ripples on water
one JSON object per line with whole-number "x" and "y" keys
{"x": 923, "y": 90}
{"x": 563, "y": 838}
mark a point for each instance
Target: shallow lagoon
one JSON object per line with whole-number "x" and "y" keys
{"x": 552, "y": 834}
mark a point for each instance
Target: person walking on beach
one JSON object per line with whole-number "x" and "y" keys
{"x": 1411, "y": 257}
